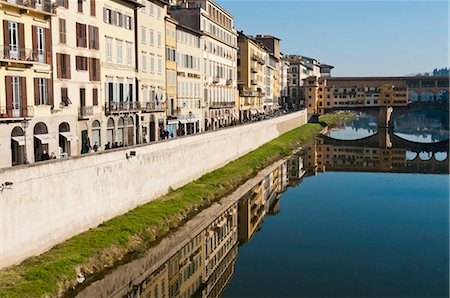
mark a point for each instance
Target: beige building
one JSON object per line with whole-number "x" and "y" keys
{"x": 250, "y": 77}
{"x": 77, "y": 74}
{"x": 151, "y": 40}
{"x": 28, "y": 122}
{"x": 219, "y": 44}
{"x": 190, "y": 80}
{"x": 122, "y": 121}
{"x": 172, "y": 107}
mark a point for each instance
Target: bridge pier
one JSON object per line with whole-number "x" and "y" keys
{"x": 384, "y": 117}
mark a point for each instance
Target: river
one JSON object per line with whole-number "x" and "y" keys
{"x": 352, "y": 214}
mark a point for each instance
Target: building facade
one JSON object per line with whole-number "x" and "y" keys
{"x": 28, "y": 124}
{"x": 219, "y": 40}
{"x": 250, "y": 75}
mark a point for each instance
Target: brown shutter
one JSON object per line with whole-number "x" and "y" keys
{"x": 21, "y": 41}
{"x": 93, "y": 8}
{"x": 36, "y": 91}
{"x": 90, "y": 31}
{"x": 113, "y": 17}
{"x": 8, "y": 87}
{"x": 23, "y": 83}
{"x": 50, "y": 92}
{"x": 48, "y": 46}
{"x": 6, "y": 37}
{"x": 84, "y": 36}
{"x": 67, "y": 58}
{"x": 90, "y": 66}
{"x": 58, "y": 66}
{"x": 34, "y": 37}
{"x": 104, "y": 14}
{"x": 97, "y": 69}
{"x": 77, "y": 30}
{"x": 95, "y": 97}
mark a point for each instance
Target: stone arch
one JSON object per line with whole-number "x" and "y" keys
{"x": 110, "y": 132}
{"x": 96, "y": 133}
{"x": 427, "y": 96}
{"x": 40, "y": 128}
{"x": 64, "y": 139}
{"x": 64, "y": 127}
{"x": 442, "y": 96}
{"x": 411, "y": 155}
{"x": 18, "y": 156}
{"x": 121, "y": 131}
{"x": 441, "y": 156}
{"x": 41, "y": 140}
{"x": 413, "y": 96}
{"x": 425, "y": 156}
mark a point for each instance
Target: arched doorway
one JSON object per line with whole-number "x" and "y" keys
{"x": 65, "y": 137}
{"x": 442, "y": 96}
{"x": 413, "y": 96}
{"x": 85, "y": 142}
{"x": 18, "y": 147}
{"x": 110, "y": 132}
{"x": 152, "y": 128}
{"x": 96, "y": 135}
{"x": 121, "y": 131}
{"x": 427, "y": 96}
{"x": 41, "y": 140}
{"x": 130, "y": 132}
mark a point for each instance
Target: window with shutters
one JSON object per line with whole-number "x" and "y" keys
{"x": 144, "y": 62}
{"x": 108, "y": 16}
{"x": 143, "y": 35}
{"x": 80, "y": 6}
{"x": 152, "y": 37}
{"x": 119, "y": 19}
{"x": 94, "y": 69}
{"x": 95, "y": 96}
{"x": 159, "y": 65}
{"x": 152, "y": 9}
{"x": 16, "y": 96}
{"x": 62, "y": 31}
{"x": 119, "y": 46}
{"x": 81, "y": 63}
{"x": 81, "y": 35}
{"x": 93, "y": 38}
{"x": 92, "y": 8}
{"x": 63, "y": 3}
{"x": 143, "y": 6}
{"x": 63, "y": 66}
{"x": 129, "y": 54}
{"x": 65, "y": 97}
{"x": 108, "y": 49}
{"x": 152, "y": 63}
{"x": 129, "y": 23}
{"x": 82, "y": 97}
{"x": 42, "y": 91}
{"x": 159, "y": 40}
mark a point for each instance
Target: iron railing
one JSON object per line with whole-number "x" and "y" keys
{"x": 22, "y": 54}
{"x": 112, "y": 107}
{"x": 45, "y": 5}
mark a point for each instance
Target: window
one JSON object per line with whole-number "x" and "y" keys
{"x": 62, "y": 31}
{"x": 159, "y": 65}
{"x": 80, "y": 6}
{"x": 108, "y": 49}
{"x": 41, "y": 91}
{"x": 82, "y": 97}
{"x": 128, "y": 23}
{"x": 119, "y": 46}
{"x": 81, "y": 63}
{"x": 159, "y": 13}
{"x": 119, "y": 19}
{"x": 63, "y": 3}
{"x": 63, "y": 66}
{"x": 92, "y": 6}
{"x": 65, "y": 97}
{"x": 159, "y": 40}
{"x": 81, "y": 35}
{"x": 94, "y": 69}
{"x": 107, "y": 15}
{"x": 93, "y": 38}
{"x": 129, "y": 54}
{"x": 143, "y": 6}
{"x": 152, "y": 37}
{"x": 144, "y": 62}
{"x": 95, "y": 97}
{"x": 143, "y": 35}
{"x": 152, "y": 9}
{"x": 152, "y": 64}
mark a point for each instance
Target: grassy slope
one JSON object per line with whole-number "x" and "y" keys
{"x": 89, "y": 252}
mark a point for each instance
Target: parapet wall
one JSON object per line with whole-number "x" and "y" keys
{"x": 52, "y": 201}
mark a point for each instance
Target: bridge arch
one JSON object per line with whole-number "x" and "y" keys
{"x": 427, "y": 96}
{"x": 441, "y": 156}
{"x": 442, "y": 96}
{"x": 413, "y": 96}
{"x": 425, "y": 155}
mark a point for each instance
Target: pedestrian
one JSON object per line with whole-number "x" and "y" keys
{"x": 44, "y": 155}
{"x": 95, "y": 147}
{"x": 52, "y": 155}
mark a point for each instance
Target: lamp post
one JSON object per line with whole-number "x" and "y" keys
{"x": 24, "y": 124}
{"x": 190, "y": 117}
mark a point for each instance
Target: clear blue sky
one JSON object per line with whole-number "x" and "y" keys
{"x": 359, "y": 38}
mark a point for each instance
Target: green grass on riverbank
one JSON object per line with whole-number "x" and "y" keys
{"x": 338, "y": 117}
{"x": 91, "y": 252}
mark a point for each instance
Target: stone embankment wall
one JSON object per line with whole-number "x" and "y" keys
{"x": 52, "y": 201}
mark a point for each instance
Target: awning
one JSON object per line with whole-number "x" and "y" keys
{"x": 20, "y": 140}
{"x": 68, "y": 135}
{"x": 45, "y": 139}
{"x": 253, "y": 112}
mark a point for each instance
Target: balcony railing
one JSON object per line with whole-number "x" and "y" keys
{"x": 22, "y": 54}
{"x": 152, "y": 106}
{"x": 45, "y": 5}
{"x": 116, "y": 107}
{"x": 16, "y": 111}
{"x": 222, "y": 104}
{"x": 85, "y": 112}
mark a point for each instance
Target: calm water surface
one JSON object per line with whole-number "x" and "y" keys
{"x": 339, "y": 219}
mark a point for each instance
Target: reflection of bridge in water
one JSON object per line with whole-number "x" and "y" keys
{"x": 381, "y": 152}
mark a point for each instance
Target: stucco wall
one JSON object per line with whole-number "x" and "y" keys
{"x": 52, "y": 201}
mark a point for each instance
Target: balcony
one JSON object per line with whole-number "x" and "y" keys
{"x": 222, "y": 104}
{"x": 25, "y": 5}
{"x": 216, "y": 80}
{"x": 22, "y": 55}
{"x": 253, "y": 82}
{"x": 16, "y": 112}
{"x": 229, "y": 82}
{"x": 258, "y": 59}
{"x": 118, "y": 107}
{"x": 152, "y": 106}
{"x": 85, "y": 112}
{"x": 253, "y": 70}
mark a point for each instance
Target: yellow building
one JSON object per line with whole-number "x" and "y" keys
{"x": 250, "y": 77}
{"x": 251, "y": 212}
{"x": 28, "y": 125}
{"x": 172, "y": 108}
{"x": 151, "y": 75}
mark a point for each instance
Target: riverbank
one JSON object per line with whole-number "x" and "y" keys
{"x": 92, "y": 252}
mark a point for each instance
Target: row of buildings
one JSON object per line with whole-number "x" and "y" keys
{"x": 78, "y": 75}
{"x": 204, "y": 265}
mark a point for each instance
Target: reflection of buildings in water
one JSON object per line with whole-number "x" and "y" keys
{"x": 434, "y": 123}
{"x": 320, "y": 157}
{"x": 205, "y": 265}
